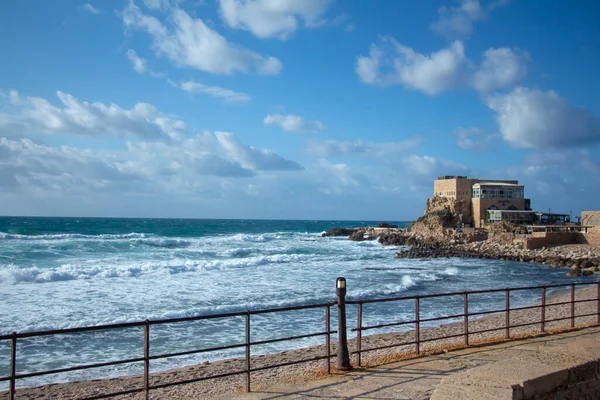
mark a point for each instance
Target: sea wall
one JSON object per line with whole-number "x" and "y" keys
{"x": 538, "y": 240}
{"x": 592, "y": 236}
{"x": 542, "y": 239}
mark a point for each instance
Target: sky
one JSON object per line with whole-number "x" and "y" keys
{"x": 286, "y": 109}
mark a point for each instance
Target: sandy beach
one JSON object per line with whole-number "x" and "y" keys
{"x": 260, "y": 379}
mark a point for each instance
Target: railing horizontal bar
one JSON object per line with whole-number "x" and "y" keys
{"x": 526, "y": 307}
{"x": 202, "y": 378}
{"x": 490, "y": 330}
{"x": 387, "y": 346}
{"x": 291, "y": 308}
{"x": 79, "y": 367}
{"x": 366, "y": 328}
{"x": 441, "y": 318}
{"x": 4, "y": 378}
{"x": 259, "y": 342}
{"x": 188, "y": 352}
{"x": 473, "y": 314}
{"x": 426, "y": 296}
{"x": 289, "y": 363}
{"x": 113, "y": 394}
{"x": 74, "y": 330}
{"x": 197, "y": 318}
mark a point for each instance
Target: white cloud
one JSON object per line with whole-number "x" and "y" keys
{"x": 381, "y": 150}
{"x": 432, "y": 167}
{"x": 226, "y": 95}
{"x": 473, "y": 139}
{"x": 253, "y": 158}
{"x": 293, "y": 123}
{"x": 455, "y": 22}
{"x": 531, "y": 118}
{"x": 157, "y": 4}
{"x": 268, "y": 18}
{"x": 432, "y": 74}
{"x": 391, "y": 63}
{"x": 140, "y": 65}
{"x": 500, "y": 68}
{"x": 90, "y": 8}
{"x": 189, "y": 42}
{"x": 29, "y": 115}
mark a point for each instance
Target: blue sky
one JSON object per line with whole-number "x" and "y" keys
{"x": 313, "y": 109}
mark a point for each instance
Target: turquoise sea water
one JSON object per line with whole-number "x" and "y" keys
{"x": 69, "y": 272}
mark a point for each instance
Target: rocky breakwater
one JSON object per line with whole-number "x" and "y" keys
{"x": 386, "y": 233}
{"x": 584, "y": 260}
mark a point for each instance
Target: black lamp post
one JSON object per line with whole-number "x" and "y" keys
{"x": 342, "y": 362}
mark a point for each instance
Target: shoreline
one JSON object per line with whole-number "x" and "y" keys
{"x": 315, "y": 369}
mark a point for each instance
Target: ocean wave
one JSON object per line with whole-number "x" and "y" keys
{"x": 67, "y": 236}
{"x": 103, "y": 269}
{"x": 169, "y": 243}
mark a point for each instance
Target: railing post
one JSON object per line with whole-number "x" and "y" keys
{"x": 13, "y": 365}
{"x": 146, "y": 359}
{"x": 543, "y": 318}
{"x": 466, "y": 317}
{"x": 598, "y": 302}
{"x": 342, "y": 361}
{"x": 359, "y": 335}
{"x": 507, "y": 314}
{"x": 247, "y": 351}
{"x": 328, "y": 337}
{"x": 572, "y": 305}
{"x": 417, "y": 327}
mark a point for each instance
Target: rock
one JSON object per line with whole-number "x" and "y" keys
{"x": 575, "y": 272}
{"x": 587, "y": 272}
{"x": 386, "y": 225}
{"x": 357, "y": 236}
{"x": 339, "y": 232}
{"x": 393, "y": 239}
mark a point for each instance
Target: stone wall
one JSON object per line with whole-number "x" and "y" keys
{"x": 554, "y": 239}
{"x": 592, "y": 236}
{"x": 542, "y": 239}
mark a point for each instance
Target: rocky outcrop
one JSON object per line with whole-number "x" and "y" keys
{"x": 357, "y": 236}
{"x": 386, "y": 225}
{"x": 393, "y": 239}
{"x": 582, "y": 261}
{"x": 339, "y": 232}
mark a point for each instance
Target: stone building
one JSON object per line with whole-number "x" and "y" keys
{"x": 480, "y": 196}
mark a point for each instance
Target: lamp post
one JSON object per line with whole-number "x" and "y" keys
{"x": 342, "y": 361}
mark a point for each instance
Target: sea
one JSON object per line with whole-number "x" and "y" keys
{"x": 73, "y": 272}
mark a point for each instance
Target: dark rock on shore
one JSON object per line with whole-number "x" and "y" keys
{"x": 393, "y": 239}
{"x": 386, "y": 225}
{"x": 339, "y": 232}
{"x": 357, "y": 236}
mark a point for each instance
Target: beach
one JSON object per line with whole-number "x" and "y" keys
{"x": 216, "y": 388}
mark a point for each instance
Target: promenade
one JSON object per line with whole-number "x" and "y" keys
{"x": 418, "y": 378}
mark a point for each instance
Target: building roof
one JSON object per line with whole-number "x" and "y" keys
{"x": 518, "y": 211}
{"x": 497, "y": 184}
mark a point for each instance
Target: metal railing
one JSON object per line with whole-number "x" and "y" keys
{"x": 14, "y": 338}
{"x": 466, "y": 314}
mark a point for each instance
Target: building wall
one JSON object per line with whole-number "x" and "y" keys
{"x": 592, "y": 236}
{"x": 480, "y": 207}
{"x": 454, "y": 188}
{"x": 590, "y": 218}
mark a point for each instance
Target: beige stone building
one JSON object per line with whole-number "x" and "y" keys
{"x": 479, "y": 196}
{"x": 590, "y": 218}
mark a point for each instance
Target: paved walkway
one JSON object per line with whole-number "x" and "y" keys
{"x": 418, "y": 378}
